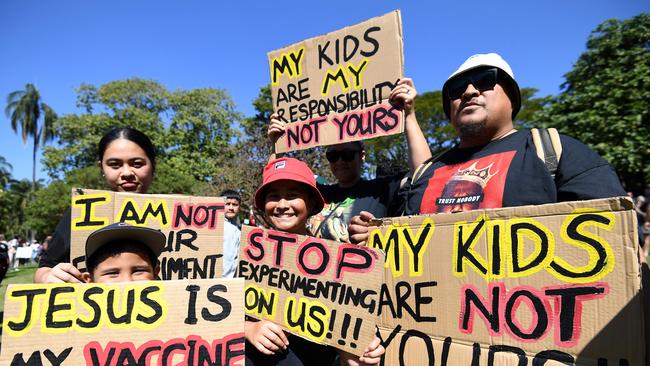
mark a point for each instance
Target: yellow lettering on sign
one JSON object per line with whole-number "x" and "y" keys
{"x": 466, "y": 236}
{"x": 306, "y": 317}
{"x": 496, "y": 234}
{"x": 261, "y": 302}
{"x": 64, "y": 308}
{"x": 399, "y": 242}
{"x": 357, "y": 72}
{"x": 506, "y": 251}
{"x": 152, "y": 211}
{"x": 288, "y": 63}
{"x": 87, "y": 205}
{"x": 344, "y": 75}
{"x": 575, "y": 231}
{"x": 523, "y": 230}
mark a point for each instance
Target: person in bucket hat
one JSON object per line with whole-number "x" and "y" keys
{"x": 289, "y": 196}
{"x": 294, "y": 173}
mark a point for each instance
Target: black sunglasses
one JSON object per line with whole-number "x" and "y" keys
{"x": 482, "y": 80}
{"x": 346, "y": 155}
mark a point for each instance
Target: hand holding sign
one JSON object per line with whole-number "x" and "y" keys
{"x": 276, "y": 128}
{"x": 266, "y": 336}
{"x": 403, "y": 94}
{"x": 371, "y": 355}
{"x": 358, "y": 228}
{"x": 335, "y": 88}
{"x": 62, "y": 272}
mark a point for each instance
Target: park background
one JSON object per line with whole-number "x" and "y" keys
{"x": 193, "y": 75}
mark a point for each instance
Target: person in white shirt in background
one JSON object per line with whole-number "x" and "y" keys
{"x": 231, "y": 232}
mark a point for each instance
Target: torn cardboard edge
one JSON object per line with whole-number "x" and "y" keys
{"x": 341, "y": 30}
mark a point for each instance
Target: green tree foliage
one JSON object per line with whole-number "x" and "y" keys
{"x": 13, "y": 206}
{"x": 5, "y": 173}
{"x": 192, "y": 130}
{"x": 25, "y": 109}
{"x": 530, "y": 107}
{"x": 135, "y": 103}
{"x": 200, "y": 133}
{"x": 604, "y": 100}
{"x": 5, "y": 200}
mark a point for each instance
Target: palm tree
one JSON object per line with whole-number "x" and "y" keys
{"x": 25, "y": 108}
{"x": 5, "y": 172}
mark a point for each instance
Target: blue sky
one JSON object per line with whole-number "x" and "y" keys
{"x": 57, "y": 45}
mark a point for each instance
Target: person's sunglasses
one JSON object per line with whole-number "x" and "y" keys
{"x": 346, "y": 155}
{"x": 482, "y": 80}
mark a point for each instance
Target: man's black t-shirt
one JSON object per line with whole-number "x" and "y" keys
{"x": 507, "y": 172}
{"x": 58, "y": 250}
{"x": 374, "y": 196}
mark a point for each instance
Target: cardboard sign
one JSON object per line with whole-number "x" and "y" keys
{"x": 334, "y": 88}
{"x": 536, "y": 285}
{"x": 318, "y": 289}
{"x": 191, "y": 322}
{"x": 193, "y": 226}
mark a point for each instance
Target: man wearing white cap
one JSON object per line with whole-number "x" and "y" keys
{"x": 494, "y": 165}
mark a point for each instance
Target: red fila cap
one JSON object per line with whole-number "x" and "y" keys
{"x": 289, "y": 169}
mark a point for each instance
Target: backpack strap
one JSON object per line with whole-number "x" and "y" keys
{"x": 548, "y": 146}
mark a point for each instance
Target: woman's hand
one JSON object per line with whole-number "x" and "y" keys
{"x": 62, "y": 272}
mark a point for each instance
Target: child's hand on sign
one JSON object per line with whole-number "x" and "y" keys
{"x": 266, "y": 336}
{"x": 371, "y": 355}
{"x": 276, "y": 128}
{"x": 358, "y": 229}
{"x": 403, "y": 94}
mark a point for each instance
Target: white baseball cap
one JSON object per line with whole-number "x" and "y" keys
{"x": 485, "y": 60}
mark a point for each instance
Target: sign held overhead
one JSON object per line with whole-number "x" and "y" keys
{"x": 334, "y": 88}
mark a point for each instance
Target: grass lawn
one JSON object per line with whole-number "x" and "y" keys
{"x": 25, "y": 274}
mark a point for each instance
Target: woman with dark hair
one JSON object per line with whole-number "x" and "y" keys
{"x": 127, "y": 160}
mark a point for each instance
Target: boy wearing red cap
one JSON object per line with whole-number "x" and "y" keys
{"x": 288, "y": 195}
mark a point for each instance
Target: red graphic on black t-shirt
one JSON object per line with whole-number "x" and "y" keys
{"x": 468, "y": 186}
